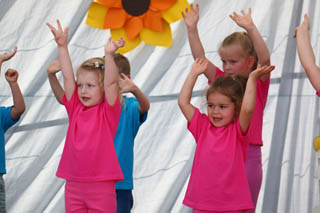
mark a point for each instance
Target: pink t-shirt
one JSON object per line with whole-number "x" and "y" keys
{"x": 89, "y": 154}
{"x": 318, "y": 93}
{"x": 254, "y": 135}
{"x": 218, "y": 181}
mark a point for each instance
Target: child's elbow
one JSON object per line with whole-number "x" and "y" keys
{"x": 21, "y": 110}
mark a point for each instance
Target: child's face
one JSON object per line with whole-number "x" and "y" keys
{"x": 89, "y": 91}
{"x": 234, "y": 60}
{"x": 221, "y": 110}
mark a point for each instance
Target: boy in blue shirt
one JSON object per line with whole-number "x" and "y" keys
{"x": 8, "y": 117}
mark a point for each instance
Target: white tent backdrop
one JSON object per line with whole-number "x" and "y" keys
{"x": 163, "y": 148}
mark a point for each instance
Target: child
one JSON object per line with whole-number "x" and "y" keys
{"x": 218, "y": 182}
{"x": 306, "y": 54}
{"x": 239, "y": 52}
{"x": 89, "y": 162}
{"x": 8, "y": 117}
{"x": 134, "y": 113}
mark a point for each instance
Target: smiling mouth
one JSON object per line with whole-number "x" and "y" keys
{"x": 85, "y": 99}
{"x": 217, "y": 119}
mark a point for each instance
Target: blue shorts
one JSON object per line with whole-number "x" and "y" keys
{"x": 124, "y": 201}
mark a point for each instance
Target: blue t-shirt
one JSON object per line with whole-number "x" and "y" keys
{"x": 5, "y": 123}
{"x": 129, "y": 123}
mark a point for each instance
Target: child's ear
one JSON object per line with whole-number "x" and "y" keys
{"x": 251, "y": 61}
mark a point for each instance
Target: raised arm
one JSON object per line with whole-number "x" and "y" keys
{"x": 306, "y": 54}
{"x": 18, "y": 101}
{"x": 127, "y": 85}
{"x": 58, "y": 91}
{"x": 191, "y": 18}
{"x": 249, "y": 98}
{"x": 111, "y": 74}
{"x": 198, "y": 68}
{"x": 61, "y": 37}
{"x": 7, "y": 56}
{"x": 245, "y": 21}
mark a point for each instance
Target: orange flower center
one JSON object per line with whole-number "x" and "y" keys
{"x": 135, "y": 7}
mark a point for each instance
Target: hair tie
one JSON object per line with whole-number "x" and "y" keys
{"x": 96, "y": 64}
{"x": 102, "y": 67}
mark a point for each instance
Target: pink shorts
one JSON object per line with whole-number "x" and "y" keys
{"x": 204, "y": 211}
{"x": 90, "y": 197}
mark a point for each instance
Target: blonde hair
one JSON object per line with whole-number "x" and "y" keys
{"x": 231, "y": 86}
{"x": 243, "y": 40}
{"x": 94, "y": 65}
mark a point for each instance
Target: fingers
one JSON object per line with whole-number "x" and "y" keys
{"x": 50, "y": 26}
{"x": 11, "y": 73}
{"x": 197, "y": 8}
{"x": 202, "y": 61}
{"x": 295, "y": 32}
{"x": 123, "y": 76}
{"x": 59, "y": 25}
{"x": 265, "y": 69}
{"x": 10, "y": 55}
{"x": 66, "y": 30}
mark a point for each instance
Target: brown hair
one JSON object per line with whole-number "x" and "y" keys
{"x": 242, "y": 39}
{"x": 232, "y": 87}
{"x": 122, "y": 63}
{"x": 95, "y": 65}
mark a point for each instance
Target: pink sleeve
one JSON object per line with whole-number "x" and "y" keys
{"x": 72, "y": 103}
{"x": 113, "y": 114}
{"x": 244, "y": 143}
{"x": 318, "y": 93}
{"x": 198, "y": 124}
{"x": 218, "y": 74}
{"x": 262, "y": 90}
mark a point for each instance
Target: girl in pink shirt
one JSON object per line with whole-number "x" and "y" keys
{"x": 89, "y": 162}
{"x": 306, "y": 54}
{"x": 240, "y": 52}
{"x": 218, "y": 181}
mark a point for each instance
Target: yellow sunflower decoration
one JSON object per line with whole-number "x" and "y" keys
{"x": 137, "y": 20}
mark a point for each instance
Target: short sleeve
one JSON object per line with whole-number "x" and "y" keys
{"x": 132, "y": 105}
{"x": 198, "y": 123}
{"x": 72, "y": 103}
{"x": 218, "y": 74}
{"x": 243, "y": 142}
{"x": 113, "y": 114}
{"x": 6, "y": 121}
{"x": 263, "y": 88}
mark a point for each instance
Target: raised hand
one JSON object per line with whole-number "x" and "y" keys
{"x": 261, "y": 71}
{"x": 304, "y": 26}
{"x": 54, "y": 67}
{"x": 11, "y": 75}
{"x": 199, "y": 66}
{"x": 126, "y": 84}
{"x": 112, "y": 46}
{"x": 7, "y": 56}
{"x": 191, "y": 17}
{"x": 60, "y": 35}
{"x": 245, "y": 21}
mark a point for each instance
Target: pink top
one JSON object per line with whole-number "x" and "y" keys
{"x": 218, "y": 181}
{"x": 88, "y": 153}
{"x": 318, "y": 93}
{"x": 254, "y": 135}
